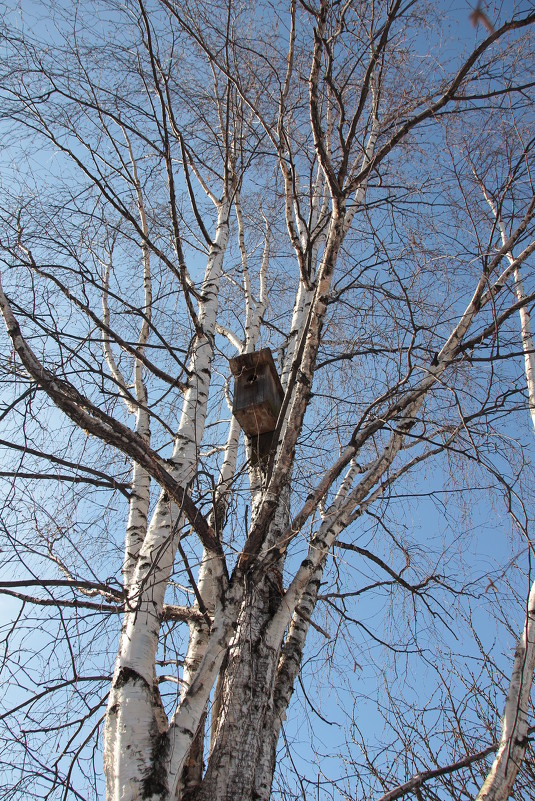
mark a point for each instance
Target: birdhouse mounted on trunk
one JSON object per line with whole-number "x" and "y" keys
{"x": 257, "y": 392}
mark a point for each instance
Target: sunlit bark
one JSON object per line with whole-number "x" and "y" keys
{"x": 132, "y": 724}
{"x": 514, "y": 738}
{"x": 257, "y": 173}
{"x": 514, "y": 734}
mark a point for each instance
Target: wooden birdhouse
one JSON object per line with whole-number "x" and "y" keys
{"x": 257, "y": 392}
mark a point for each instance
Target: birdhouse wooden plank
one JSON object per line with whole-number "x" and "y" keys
{"x": 257, "y": 392}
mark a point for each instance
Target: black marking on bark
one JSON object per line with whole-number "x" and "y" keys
{"x": 275, "y": 590}
{"x": 185, "y": 732}
{"x": 155, "y": 783}
{"x": 126, "y": 675}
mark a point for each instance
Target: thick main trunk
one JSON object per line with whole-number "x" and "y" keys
{"x": 235, "y": 766}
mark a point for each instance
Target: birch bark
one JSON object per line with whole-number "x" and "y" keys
{"x": 136, "y": 527}
{"x": 136, "y": 744}
{"x": 199, "y": 630}
{"x": 245, "y": 709}
{"x": 256, "y": 689}
{"x": 499, "y": 782}
{"x": 514, "y": 738}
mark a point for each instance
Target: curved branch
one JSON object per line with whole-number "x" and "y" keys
{"x": 93, "y": 420}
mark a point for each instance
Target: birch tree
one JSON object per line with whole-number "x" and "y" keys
{"x": 515, "y": 725}
{"x": 187, "y": 183}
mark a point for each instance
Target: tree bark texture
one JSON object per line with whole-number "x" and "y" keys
{"x": 235, "y": 768}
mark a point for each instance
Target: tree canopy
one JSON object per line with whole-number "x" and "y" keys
{"x": 335, "y": 604}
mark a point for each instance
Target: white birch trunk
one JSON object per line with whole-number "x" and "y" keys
{"x": 525, "y": 320}
{"x": 199, "y": 630}
{"x": 199, "y": 639}
{"x": 287, "y": 672}
{"x": 527, "y": 342}
{"x": 243, "y": 757}
{"x": 136, "y": 528}
{"x": 246, "y": 694}
{"x": 135, "y": 748}
{"x": 513, "y": 741}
